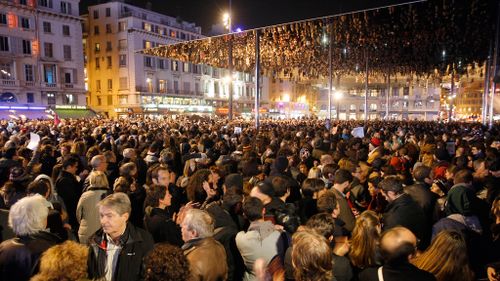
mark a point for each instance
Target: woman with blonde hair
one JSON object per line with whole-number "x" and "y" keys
{"x": 446, "y": 258}
{"x": 311, "y": 257}
{"x": 364, "y": 242}
{"x": 64, "y": 262}
{"x": 86, "y": 212}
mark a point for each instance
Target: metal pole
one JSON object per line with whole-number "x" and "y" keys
{"x": 486, "y": 91}
{"x": 452, "y": 90}
{"x": 230, "y": 64}
{"x": 330, "y": 73}
{"x": 495, "y": 71}
{"x": 337, "y": 107}
{"x": 366, "y": 85}
{"x": 257, "y": 79}
{"x": 387, "y": 97}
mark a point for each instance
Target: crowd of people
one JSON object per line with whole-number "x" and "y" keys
{"x": 196, "y": 198}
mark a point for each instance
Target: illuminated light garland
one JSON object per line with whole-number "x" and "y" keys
{"x": 407, "y": 40}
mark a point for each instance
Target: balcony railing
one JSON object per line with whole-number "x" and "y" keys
{"x": 49, "y": 85}
{"x": 68, "y": 85}
{"x": 29, "y": 83}
{"x": 126, "y": 14}
{"x": 9, "y": 82}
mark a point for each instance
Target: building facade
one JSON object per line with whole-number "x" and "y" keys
{"x": 123, "y": 82}
{"x": 41, "y": 62}
{"x": 417, "y": 99}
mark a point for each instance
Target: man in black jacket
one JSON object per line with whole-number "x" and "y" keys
{"x": 69, "y": 188}
{"x": 402, "y": 210}
{"x": 19, "y": 256}
{"x": 117, "y": 249}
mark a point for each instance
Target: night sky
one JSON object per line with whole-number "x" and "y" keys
{"x": 249, "y": 14}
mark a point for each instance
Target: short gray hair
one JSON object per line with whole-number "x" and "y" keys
{"x": 199, "y": 221}
{"x": 97, "y": 160}
{"x": 29, "y": 215}
{"x": 118, "y": 202}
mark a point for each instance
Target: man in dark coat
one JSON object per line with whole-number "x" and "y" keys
{"x": 117, "y": 249}
{"x": 69, "y": 188}
{"x": 341, "y": 182}
{"x": 402, "y": 210}
{"x": 19, "y": 256}
{"x": 421, "y": 193}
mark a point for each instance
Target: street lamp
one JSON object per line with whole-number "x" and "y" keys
{"x": 226, "y": 20}
{"x": 337, "y": 96}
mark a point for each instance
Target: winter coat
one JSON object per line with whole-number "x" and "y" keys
{"x": 163, "y": 229}
{"x": 260, "y": 241}
{"x": 136, "y": 244}
{"x": 69, "y": 189}
{"x": 404, "y": 211}
{"x": 205, "y": 258}
{"x": 19, "y": 257}
{"x": 87, "y": 212}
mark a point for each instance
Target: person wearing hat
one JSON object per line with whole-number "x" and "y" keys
{"x": 15, "y": 188}
{"x": 8, "y": 160}
{"x": 376, "y": 150}
{"x": 317, "y": 151}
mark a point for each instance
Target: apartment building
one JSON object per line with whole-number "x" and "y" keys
{"x": 41, "y": 62}
{"x": 123, "y": 82}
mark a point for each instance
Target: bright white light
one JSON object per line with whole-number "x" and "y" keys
{"x": 238, "y": 29}
{"x": 324, "y": 39}
{"x": 226, "y": 79}
{"x": 337, "y": 95}
{"x": 226, "y": 20}
{"x": 286, "y": 97}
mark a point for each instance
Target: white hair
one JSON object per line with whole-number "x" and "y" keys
{"x": 29, "y": 215}
{"x": 97, "y": 160}
{"x": 200, "y": 221}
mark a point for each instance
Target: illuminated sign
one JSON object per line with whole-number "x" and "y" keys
{"x": 71, "y": 107}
